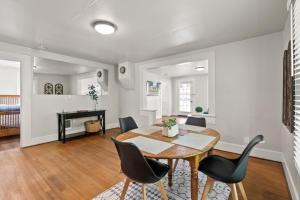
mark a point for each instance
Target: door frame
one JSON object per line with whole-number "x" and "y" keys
{"x": 25, "y": 93}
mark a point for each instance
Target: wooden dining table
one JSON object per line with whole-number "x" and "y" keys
{"x": 193, "y": 156}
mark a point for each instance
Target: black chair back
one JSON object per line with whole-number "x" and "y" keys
{"x": 127, "y": 124}
{"x": 242, "y": 161}
{"x": 195, "y": 121}
{"x": 133, "y": 163}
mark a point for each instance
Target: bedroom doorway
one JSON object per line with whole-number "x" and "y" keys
{"x": 9, "y": 104}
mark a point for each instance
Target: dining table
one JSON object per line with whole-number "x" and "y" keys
{"x": 177, "y": 151}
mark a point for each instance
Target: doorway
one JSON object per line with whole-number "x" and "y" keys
{"x": 10, "y": 100}
{"x": 185, "y": 97}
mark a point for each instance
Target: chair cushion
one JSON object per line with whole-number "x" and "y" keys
{"x": 159, "y": 169}
{"x": 218, "y": 168}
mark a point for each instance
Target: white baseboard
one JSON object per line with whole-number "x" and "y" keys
{"x": 54, "y": 137}
{"x": 42, "y": 139}
{"x": 290, "y": 180}
{"x": 257, "y": 152}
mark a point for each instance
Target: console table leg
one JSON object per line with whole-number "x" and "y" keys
{"x": 64, "y": 129}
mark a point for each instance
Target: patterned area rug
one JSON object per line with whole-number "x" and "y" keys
{"x": 180, "y": 189}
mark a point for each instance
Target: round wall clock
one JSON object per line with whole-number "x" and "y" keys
{"x": 99, "y": 74}
{"x": 122, "y": 70}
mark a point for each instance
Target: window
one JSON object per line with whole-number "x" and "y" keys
{"x": 295, "y": 14}
{"x": 185, "y": 97}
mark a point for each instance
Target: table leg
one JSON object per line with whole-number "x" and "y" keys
{"x": 64, "y": 129}
{"x": 103, "y": 126}
{"x": 170, "y": 173}
{"x": 194, "y": 164}
{"x": 59, "y": 128}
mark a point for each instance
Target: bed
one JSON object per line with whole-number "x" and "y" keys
{"x": 9, "y": 115}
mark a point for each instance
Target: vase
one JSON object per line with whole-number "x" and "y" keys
{"x": 171, "y": 132}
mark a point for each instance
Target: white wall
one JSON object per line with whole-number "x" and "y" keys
{"x": 32, "y": 106}
{"x": 41, "y": 79}
{"x": 199, "y": 92}
{"x": 45, "y": 107}
{"x": 248, "y": 101}
{"x": 9, "y": 80}
{"x": 287, "y": 139}
{"x": 156, "y": 102}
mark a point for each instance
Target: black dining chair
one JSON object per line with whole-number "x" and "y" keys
{"x": 139, "y": 169}
{"x": 127, "y": 124}
{"x": 193, "y": 121}
{"x": 196, "y": 121}
{"x": 230, "y": 171}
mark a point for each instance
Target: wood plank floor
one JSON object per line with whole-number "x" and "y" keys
{"x": 9, "y": 142}
{"x": 82, "y": 168}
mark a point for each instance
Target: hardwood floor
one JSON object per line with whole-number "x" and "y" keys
{"x": 9, "y": 142}
{"x": 82, "y": 168}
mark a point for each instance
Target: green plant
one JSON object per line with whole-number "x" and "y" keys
{"x": 93, "y": 93}
{"x": 198, "y": 109}
{"x": 169, "y": 123}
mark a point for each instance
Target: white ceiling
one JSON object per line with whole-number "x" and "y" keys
{"x": 181, "y": 69}
{"x": 47, "y": 66}
{"x": 146, "y": 29}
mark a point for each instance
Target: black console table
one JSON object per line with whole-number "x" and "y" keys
{"x": 62, "y": 117}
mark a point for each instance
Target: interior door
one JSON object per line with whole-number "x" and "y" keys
{"x": 185, "y": 97}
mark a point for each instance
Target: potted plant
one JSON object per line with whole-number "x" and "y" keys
{"x": 198, "y": 109}
{"x": 93, "y": 94}
{"x": 170, "y": 128}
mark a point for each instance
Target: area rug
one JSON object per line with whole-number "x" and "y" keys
{"x": 180, "y": 189}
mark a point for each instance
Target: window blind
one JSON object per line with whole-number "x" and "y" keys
{"x": 295, "y": 29}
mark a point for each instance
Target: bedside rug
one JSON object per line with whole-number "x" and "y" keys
{"x": 180, "y": 189}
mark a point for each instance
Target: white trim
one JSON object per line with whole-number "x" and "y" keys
{"x": 257, "y": 152}
{"x": 53, "y": 137}
{"x": 288, "y": 5}
{"x": 25, "y": 93}
{"x": 42, "y": 139}
{"x": 290, "y": 180}
{"x": 202, "y": 54}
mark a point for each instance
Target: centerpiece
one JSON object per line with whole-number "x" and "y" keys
{"x": 170, "y": 128}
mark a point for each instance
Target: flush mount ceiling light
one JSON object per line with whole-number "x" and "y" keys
{"x": 104, "y": 27}
{"x": 199, "y": 69}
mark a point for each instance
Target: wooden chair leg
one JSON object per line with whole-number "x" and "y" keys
{"x": 175, "y": 164}
{"x": 144, "y": 193}
{"x": 207, "y": 187}
{"x": 125, "y": 188}
{"x": 162, "y": 190}
{"x": 234, "y": 192}
{"x": 242, "y": 190}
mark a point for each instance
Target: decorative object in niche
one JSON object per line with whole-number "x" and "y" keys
{"x": 122, "y": 70}
{"x": 48, "y": 88}
{"x": 287, "y": 102}
{"x": 198, "y": 109}
{"x": 152, "y": 88}
{"x": 93, "y": 94}
{"x": 59, "y": 89}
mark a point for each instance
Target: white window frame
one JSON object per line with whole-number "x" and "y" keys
{"x": 295, "y": 48}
